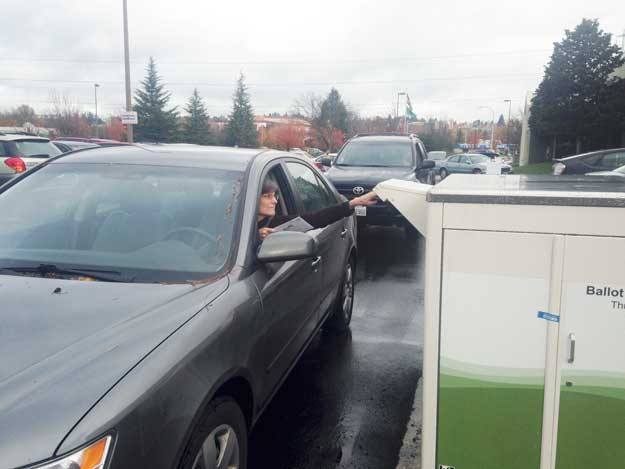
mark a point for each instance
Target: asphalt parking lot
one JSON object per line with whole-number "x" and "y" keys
{"x": 348, "y": 401}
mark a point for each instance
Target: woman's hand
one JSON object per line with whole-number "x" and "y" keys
{"x": 264, "y": 232}
{"x": 366, "y": 200}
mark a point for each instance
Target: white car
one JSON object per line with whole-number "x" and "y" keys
{"x": 19, "y": 152}
{"x": 619, "y": 172}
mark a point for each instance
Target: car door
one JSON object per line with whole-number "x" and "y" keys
{"x": 452, "y": 164}
{"x": 465, "y": 165}
{"x": 289, "y": 293}
{"x": 332, "y": 240}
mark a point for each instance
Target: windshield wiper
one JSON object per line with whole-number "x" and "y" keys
{"x": 52, "y": 269}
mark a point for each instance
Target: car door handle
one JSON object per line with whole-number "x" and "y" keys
{"x": 344, "y": 233}
{"x": 315, "y": 263}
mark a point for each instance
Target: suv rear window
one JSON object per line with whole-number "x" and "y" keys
{"x": 381, "y": 154}
{"x": 36, "y": 148}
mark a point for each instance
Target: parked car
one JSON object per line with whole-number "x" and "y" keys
{"x": 143, "y": 325}
{"x": 19, "y": 152}
{"x": 618, "y": 172}
{"x": 366, "y": 160}
{"x": 299, "y": 151}
{"x": 70, "y": 145}
{"x": 467, "y": 163}
{"x": 102, "y": 142}
{"x": 604, "y": 160}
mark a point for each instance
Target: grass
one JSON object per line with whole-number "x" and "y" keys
{"x": 500, "y": 427}
{"x": 537, "y": 168}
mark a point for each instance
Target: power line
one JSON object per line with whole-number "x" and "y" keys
{"x": 282, "y": 84}
{"x": 283, "y": 62}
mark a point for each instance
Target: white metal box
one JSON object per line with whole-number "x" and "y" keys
{"x": 524, "y": 355}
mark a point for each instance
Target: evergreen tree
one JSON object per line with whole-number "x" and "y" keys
{"x": 333, "y": 113}
{"x": 195, "y": 128}
{"x": 156, "y": 124}
{"x": 568, "y": 100}
{"x": 240, "y": 130}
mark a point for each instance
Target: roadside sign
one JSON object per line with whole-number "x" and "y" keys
{"x": 129, "y": 117}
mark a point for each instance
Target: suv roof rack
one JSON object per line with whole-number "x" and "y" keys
{"x": 21, "y": 132}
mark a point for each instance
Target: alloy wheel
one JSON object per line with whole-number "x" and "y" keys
{"x": 220, "y": 450}
{"x": 348, "y": 292}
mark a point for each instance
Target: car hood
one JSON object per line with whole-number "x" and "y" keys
{"x": 63, "y": 350}
{"x": 350, "y": 176}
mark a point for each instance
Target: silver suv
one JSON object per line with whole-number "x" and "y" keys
{"x": 19, "y": 152}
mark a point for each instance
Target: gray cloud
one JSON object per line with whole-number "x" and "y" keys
{"x": 451, "y": 57}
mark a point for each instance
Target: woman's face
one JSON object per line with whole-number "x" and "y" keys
{"x": 267, "y": 205}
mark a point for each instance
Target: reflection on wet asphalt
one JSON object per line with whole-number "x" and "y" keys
{"x": 347, "y": 401}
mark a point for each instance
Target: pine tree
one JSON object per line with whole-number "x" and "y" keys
{"x": 568, "y": 100}
{"x": 240, "y": 130}
{"x": 195, "y": 128}
{"x": 156, "y": 124}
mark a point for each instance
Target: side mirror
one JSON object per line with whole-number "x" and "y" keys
{"x": 326, "y": 161}
{"x": 427, "y": 164}
{"x": 287, "y": 246}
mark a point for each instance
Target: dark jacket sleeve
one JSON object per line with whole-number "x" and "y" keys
{"x": 319, "y": 218}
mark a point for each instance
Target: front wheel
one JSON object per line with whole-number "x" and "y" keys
{"x": 444, "y": 173}
{"x": 220, "y": 440}
{"x": 477, "y": 171}
{"x": 344, "y": 304}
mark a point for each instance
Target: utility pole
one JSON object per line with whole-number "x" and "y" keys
{"x": 95, "y": 92}
{"x": 127, "y": 68}
{"x": 509, "y": 101}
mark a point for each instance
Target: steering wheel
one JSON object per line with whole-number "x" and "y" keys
{"x": 185, "y": 231}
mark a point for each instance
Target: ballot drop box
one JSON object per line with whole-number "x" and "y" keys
{"x": 524, "y": 355}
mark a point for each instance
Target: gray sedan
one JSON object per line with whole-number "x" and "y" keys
{"x": 143, "y": 324}
{"x": 468, "y": 163}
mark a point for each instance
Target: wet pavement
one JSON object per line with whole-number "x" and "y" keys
{"x": 347, "y": 402}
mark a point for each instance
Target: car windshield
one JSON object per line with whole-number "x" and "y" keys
{"x": 148, "y": 223}
{"x": 38, "y": 148}
{"x": 394, "y": 154}
{"x": 620, "y": 170}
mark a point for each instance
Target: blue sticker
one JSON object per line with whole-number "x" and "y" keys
{"x": 548, "y": 316}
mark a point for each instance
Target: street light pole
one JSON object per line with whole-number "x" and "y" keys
{"x": 95, "y": 93}
{"x": 509, "y": 101}
{"x": 127, "y": 70}
{"x": 492, "y": 128}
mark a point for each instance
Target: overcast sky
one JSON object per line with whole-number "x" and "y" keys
{"x": 450, "y": 56}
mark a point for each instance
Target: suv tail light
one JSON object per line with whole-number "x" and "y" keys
{"x": 15, "y": 163}
{"x": 558, "y": 169}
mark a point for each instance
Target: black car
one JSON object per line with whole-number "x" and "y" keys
{"x": 366, "y": 160}
{"x": 604, "y": 160}
{"x": 143, "y": 323}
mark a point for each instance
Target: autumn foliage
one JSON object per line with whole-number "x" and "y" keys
{"x": 285, "y": 137}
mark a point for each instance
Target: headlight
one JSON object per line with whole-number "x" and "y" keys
{"x": 558, "y": 169}
{"x": 91, "y": 457}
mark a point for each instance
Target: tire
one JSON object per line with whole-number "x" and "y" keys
{"x": 341, "y": 314}
{"x": 220, "y": 439}
{"x": 444, "y": 173}
{"x": 476, "y": 171}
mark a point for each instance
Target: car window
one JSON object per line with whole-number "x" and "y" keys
{"x": 311, "y": 190}
{"x": 380, "y": 154}
{"x": 3, "y": 151}
{"x": 152, "y": 223}
{"x": 36, "y": 148}
{"x": 454, "y": 159}
{"x": 613, "y": 160}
